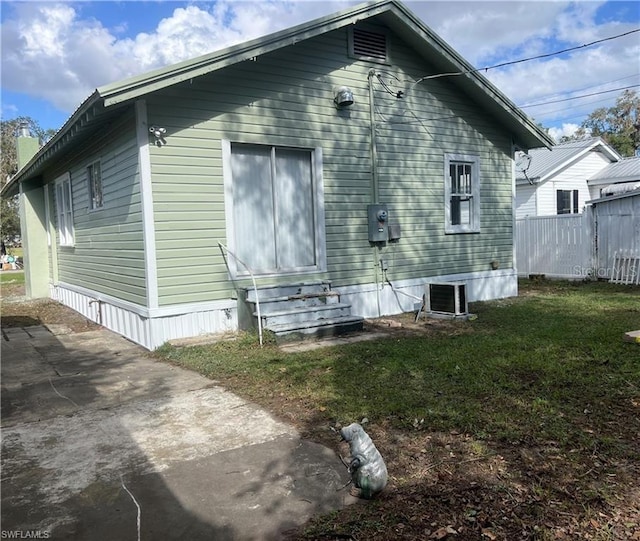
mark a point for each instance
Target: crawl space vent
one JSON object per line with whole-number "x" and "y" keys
{"x": 369, "y": 45}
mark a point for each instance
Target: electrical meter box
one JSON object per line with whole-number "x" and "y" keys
{"x": 378, "y": 223}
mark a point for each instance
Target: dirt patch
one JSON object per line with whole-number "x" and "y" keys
{"x": 407, "y": 325}
{"x": 452, "y": 486}
{"x": 24, "y": 313}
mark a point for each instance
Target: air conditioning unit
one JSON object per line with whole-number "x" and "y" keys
{"x": 446, "y": 298}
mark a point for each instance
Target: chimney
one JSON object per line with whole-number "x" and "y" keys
{"x": 26, "y": 146}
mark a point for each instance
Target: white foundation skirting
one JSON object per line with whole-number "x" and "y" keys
{"x": 373, "y": 300}
{"x": 149, "y": 327}
{"x": 153, "y": 327}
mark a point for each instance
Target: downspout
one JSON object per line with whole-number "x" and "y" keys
{"x": 374, "y": 150}
{"x": 375, "y": 195}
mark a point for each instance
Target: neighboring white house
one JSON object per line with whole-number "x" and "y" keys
{"x": 616, "y": 178}
{"x": 556, "y": 181}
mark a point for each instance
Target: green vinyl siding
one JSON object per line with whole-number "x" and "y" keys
{"x": 285, "y": 98}
{"x": 108, "y": 253}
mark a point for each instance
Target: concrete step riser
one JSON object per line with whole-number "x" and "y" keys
{"x": 280, "y": 305}
{"x": 301, "y": 317}
{"x": 318, "y": 332}
{"x": 287, "y": 291}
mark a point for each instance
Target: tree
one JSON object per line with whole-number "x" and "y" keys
{"x": 9, "y": 129}
{"x": 618, "y": 125}
{"x": 9, "y": 218}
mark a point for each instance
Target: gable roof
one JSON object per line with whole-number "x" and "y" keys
{"x": 546, "y": 162}
{"x": 102, "y": 105}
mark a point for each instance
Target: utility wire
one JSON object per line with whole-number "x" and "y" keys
{"x": 537, "y": 57}
{"x": 578, "y": 97}
{"x": 546, "y": 55}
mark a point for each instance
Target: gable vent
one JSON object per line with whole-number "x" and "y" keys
{"x": 369, "y": 45}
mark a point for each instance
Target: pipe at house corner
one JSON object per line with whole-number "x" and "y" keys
{"x": 374, "y": 150}
{"x": 375, "y": 191}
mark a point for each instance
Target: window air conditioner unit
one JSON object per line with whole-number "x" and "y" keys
{"x": 446, "y": 298}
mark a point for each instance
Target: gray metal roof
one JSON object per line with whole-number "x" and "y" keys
{"x": 101, "y": 106}
{"x": 626, "y": 170}
{"x": 545, "y": 162}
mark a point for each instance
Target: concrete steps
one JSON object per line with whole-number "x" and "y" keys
{"x": 304, "y": 310}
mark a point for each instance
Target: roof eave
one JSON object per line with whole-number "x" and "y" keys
{"x": 61, "y": 138}
{"x": 161, "y": 78}
{"x": 526, "y": 133}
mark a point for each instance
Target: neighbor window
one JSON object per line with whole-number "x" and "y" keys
{"x": 567, "y": 201}
{"x": 64, "y": 207}
{"x": 94, "y": 177}
{"x": 462, "y": 193}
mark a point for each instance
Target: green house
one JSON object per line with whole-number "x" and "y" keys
{"x": 341, "y": 165}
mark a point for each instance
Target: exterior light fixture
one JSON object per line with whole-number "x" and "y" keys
{"x": 158, "y": 133}
{"x": 344, "y": 97}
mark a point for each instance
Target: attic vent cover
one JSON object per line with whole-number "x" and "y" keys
{"x": 369, "y": 45}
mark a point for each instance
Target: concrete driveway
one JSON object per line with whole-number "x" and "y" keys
{"x": 101, "y": 442}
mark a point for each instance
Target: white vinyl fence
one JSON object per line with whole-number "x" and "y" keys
{"x": 603, "y": 242}
{"x": 556, "y": 246}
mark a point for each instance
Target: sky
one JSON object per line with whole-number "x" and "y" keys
{"x": 55, "y": 54}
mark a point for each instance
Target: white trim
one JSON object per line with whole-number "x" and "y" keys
{"x": 513, "y": 205}
{"x": 228, "y": 206}
{"x": 320, "y": 225}
{"x": 47, "y": 213}
{"x": 162, "y": 311}
{"x": 146, "y": 198}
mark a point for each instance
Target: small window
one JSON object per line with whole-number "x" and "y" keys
{"x": 368, "y": 45}
{"x": 94, "y": 178}
{"x": 462, "y": 194}
{"x": 567, "y": 201}
{"x": 64, "y": 207}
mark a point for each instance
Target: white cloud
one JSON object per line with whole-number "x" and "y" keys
{"x": 52, "y": 51}
{"x": 484, "y": 31}
{"x": 49, "y": 52}
{"x": 565, "y": 130}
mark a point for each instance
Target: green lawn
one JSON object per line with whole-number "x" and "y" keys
{"x": 16, "y": 252}
{"x": 546, "y": 370}
{"x": 11, "y": 277}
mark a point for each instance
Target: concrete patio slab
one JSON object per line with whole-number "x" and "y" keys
{"x": 101, "y": 441}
